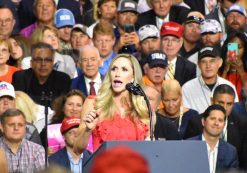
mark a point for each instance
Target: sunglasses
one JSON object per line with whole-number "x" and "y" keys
{"x": 194, "y": 19}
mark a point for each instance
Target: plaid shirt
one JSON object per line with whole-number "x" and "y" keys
{"x": 30, "y": 157}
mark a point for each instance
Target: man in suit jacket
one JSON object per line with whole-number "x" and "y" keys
{"x": 66, "y": 156}
{"x": 235, "y": 131}
{"x": 221, "y": 155}
{"x": 163, "y": 11}
{"x": 179, "y": 68}
{"x": 89, "y": 63}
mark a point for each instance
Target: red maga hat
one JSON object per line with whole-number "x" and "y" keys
{"x": 172, "y": 28}
{"x": 69, "y": 123}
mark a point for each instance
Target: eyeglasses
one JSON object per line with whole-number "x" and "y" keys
{"x": 167, "y": 40}
{"x": 6, "y": 21}
{"x": 42, "y": 60}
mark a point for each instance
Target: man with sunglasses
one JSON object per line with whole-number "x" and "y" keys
{"x": 41, "y": 82}
{"x": 191, "y": 44}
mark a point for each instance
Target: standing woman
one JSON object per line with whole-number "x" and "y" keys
{"x": 6, "y": 71}
{"x": 236, "y": 70}
{"x": 115, "y": 114}
{"x": 171, "y": 96}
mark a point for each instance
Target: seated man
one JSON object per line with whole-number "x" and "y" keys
{"x": 163, "y": 11}
{"x": 89, "y": 79}
{"x": 41, "y": 82}
{"x": 79, "y": 37}
{"x": 149, "y": 36}
{"x": 179, "y": 68}
{"x": 221, "y": 155}
{"x": 64, "y": 21}
{"x": 22, "y": 155}
{"x": 235, "y": 130}
{"x": 103, "y": 40}
{"x": 127, "y": 40}
{"x": 66, "y": 156}
{"x": 8, "y": 101}
{"x": 155, "y": 70}
{"x": 198, "y": 92}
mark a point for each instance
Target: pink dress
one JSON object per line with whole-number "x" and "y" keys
{"x": 118, "y": 129}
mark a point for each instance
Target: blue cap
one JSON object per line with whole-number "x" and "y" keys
{"x": 237, "y": 8}
{"x": 64, "y": 17}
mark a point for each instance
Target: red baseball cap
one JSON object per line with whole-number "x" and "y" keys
{"x": 171, "y": 28}
{"x": 69, "y": 123}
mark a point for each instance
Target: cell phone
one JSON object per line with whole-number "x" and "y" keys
{"x": 232, "y": 51}
{"x": 129, "y": 28}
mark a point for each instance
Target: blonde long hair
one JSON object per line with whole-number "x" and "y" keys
{"x": 105, "y": 102}
{"x": 26, "y": 105}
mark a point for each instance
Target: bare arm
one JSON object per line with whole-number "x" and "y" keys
{"x": 89, "y": 120}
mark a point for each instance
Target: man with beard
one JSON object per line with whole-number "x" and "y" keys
{"x": 236, "y": 18}
{"x": 149, "y": 41}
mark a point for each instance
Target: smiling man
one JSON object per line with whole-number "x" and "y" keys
{"x": 235, "y": 129}
{"x": 221, "y": 155}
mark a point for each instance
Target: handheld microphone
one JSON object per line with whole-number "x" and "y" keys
{"x": 134, "y": 89}
{"x": 137, "y": 90}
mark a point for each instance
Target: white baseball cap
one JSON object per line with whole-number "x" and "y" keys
{"x": 148, "y": 31}
{"x": 6, "y": 89}
{"x": 210, "y": 26}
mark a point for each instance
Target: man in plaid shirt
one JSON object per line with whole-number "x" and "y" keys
{"x": 22, "y": 155}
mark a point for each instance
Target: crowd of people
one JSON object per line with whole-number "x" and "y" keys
{"x": 68, "y": 62}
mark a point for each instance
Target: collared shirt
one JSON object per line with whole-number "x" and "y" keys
{"x": 75, "y": 167}
{"x": 160, "y": 21}
{"x": 212, "y": 155}
{"x": 197, "y": 95}
{"x": 30, "y": 157}
{"x": 97, "y": 84}
{"x": 106, "y": 64}
{"x": 174, "y": 66}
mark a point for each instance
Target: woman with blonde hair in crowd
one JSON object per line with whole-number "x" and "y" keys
{"x": 115, "y": 114}
{"x": 35, "y": 114}
{"x": 6, "y": 71}
{"x": 171, "y": 96}
{"x": 49, "y": 35}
